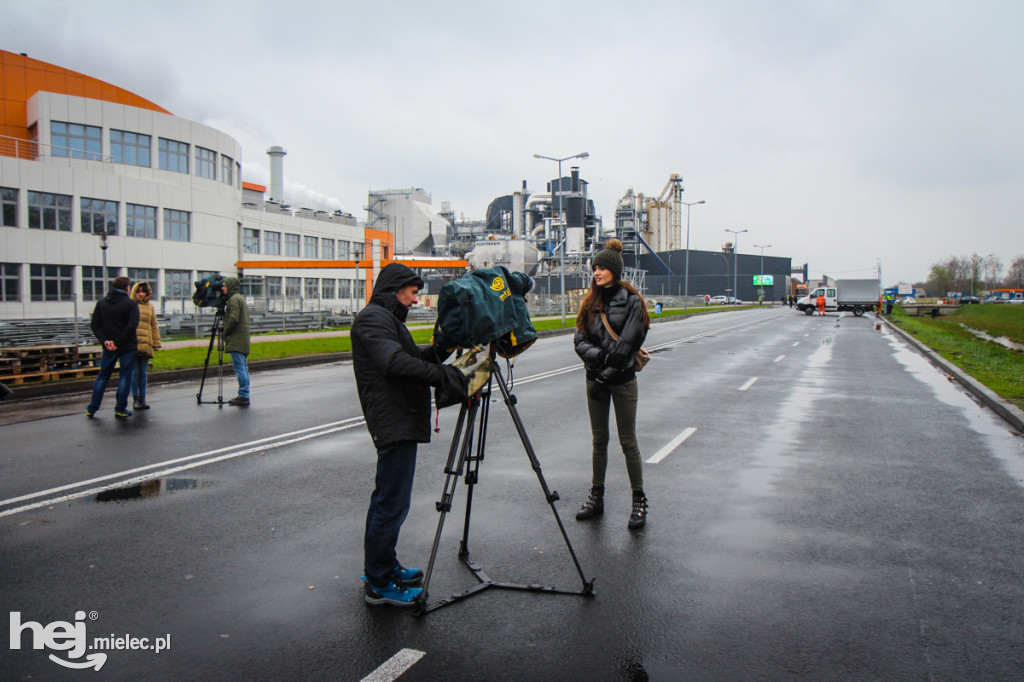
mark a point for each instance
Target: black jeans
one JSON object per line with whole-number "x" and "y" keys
{"x": 389, "y": 505}
{"x": 624, "y": 398}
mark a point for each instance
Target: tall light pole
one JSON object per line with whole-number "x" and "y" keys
{"x": 735, "y": 248}
{"x": 686, "y": 270}
{"x": 758, "y": 246}
{"x": 561, "y": 262}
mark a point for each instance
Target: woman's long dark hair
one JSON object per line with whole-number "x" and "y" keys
{"x": 592, "y": 305}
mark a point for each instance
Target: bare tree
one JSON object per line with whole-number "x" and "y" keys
{"x": 993, "y": 269}
{"x": 1015, "y": 275}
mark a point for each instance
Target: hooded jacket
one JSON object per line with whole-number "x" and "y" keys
{"x": 148, "y": 332}
{"x": 393, "y": 375}
{"x": 115, "y": 318}
{"x": 236, "y": 319}
{"x": 607, "y": 360}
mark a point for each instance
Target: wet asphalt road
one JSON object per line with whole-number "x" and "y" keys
{"x": 840, "y": 511}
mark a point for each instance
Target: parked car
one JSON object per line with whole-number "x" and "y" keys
{"x": 908, "y": 301}
{"x": 969, "y": 299}
{"x": 734, "y": 301}
{"x": 719, "y": 300}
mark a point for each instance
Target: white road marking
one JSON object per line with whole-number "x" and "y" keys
{"x": 795, "y": 344}
{"x": 188, "y": 462}
{"x": 394, "y": 667}
{"x": 750, "y": 382}
{"x": 675, "y": 443}
{"x": 778, "y": 358}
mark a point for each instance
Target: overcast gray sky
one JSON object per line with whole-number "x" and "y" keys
{"x": 838, "y": 132}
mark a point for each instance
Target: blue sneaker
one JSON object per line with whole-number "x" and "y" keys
{"x": 408, "y": 576}
{"x": 391, "y": 594}
{"x": 122, "y": 414}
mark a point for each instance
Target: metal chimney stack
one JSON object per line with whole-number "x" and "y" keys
{"x": 276, "y": 155}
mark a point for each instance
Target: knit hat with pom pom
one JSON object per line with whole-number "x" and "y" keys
{"x": 610, "y": 258}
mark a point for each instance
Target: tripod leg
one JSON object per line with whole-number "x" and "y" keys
{"x": 473, "y": 469}
{"x": 206, "y": 363}
{"x": 549, "y": 495}
{"x": 220, "y": 357}
{"x": 457, "y": 453}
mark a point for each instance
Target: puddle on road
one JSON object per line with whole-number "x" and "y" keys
{"x": 1006, "y": 445}
{"x": 146, "y": 489}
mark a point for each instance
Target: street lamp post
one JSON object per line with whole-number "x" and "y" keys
{"x": 735, "y": 248}
{"x": 561, "y": 259}
{"x": 761, "y": 290}
{"x": 686, "y": 267}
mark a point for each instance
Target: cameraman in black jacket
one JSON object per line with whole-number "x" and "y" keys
{"x": 393, "y": 378}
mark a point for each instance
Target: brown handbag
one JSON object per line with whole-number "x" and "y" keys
{"x": 642, "y": 356}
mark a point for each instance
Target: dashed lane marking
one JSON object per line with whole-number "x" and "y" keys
{"x": 675, "y": 443}
{"x": 395, "y": 667}
{"x": 750, "y": 382}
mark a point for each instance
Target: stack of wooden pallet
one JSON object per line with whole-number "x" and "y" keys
{"x": 24, "y": 364}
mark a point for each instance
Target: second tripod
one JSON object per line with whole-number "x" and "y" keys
{"x": 216, "y": 336}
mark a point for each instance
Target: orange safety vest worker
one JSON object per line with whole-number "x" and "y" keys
{"x": 821, "y": 305}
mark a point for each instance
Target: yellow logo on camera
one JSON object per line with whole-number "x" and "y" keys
{"x": 498, "y": 284}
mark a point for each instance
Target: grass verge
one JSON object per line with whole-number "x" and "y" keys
{"x": 998, "y": 368}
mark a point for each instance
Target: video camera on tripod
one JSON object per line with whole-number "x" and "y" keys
{"x": 210, "y": 292}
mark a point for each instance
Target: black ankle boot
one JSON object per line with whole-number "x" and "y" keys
{"x": 594, "y": 506}
{"x": 639, "y": 516}
{"x": 137, "y": 404}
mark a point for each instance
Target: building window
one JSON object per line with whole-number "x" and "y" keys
{"x": 272, "y": 243}
{"x": 147, "y": 275}
{"x": 309, "y": 247}
{"x": 252, "y": 286}
{"x": 10, "y": 282}
{"x": 292, "y": 287}
{"x": 130, "y": 148}
{"x": 178, "y": 284}
{"x": 250, "y": 240}
{"x": 206, "y": 163}
{"x": 273, "y": 287}
{"x": 327, "y": 249}
{"x": 51, "y": 282}
{"x": 342, "y": 249}
{"x": 360, "y": 294}
{"x": 99, "y": 216}
{"x": 76, "y": 141}
{"x": 227, "y": 170}
{"x": 291, "y": 245}
{"x": 344, "y": 288}
{"x": 8, "y": 207}
{"x": 327, "y": 286}
{"x": 173, "y": 155}
{"x": 238, "y": 175}
{"x": 312, "y": 287}
{"x": 49, "y": 211}
{"x": 94, "y": 283}
{"x": 177, "y": 225}
{"x": 140, "y": 221}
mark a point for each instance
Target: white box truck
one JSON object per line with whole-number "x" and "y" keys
{"x": 855, "y": 295}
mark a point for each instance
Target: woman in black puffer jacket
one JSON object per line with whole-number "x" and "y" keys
{"x": 611, "y": 373}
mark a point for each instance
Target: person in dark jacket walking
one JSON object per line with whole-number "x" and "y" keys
{"x": 393, "y": 379}
{"x": 611, "y": 373}
{"x": 236, "y": 337}
{"x": 114, "y": 320}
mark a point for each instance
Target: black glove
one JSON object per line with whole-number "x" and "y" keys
{"x": 454, "y": 390}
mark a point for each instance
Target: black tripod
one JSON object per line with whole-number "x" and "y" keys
{"x": 473, "y": 419}
{"x": 216, "y": 334}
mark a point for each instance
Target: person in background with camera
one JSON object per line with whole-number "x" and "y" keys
{"x": 611, "y": 373}
{"x": 236, "y": 337}
{"x": 147, "y": 335}
{"x": 114, "y": 320}
{"x": 393, "y": 379}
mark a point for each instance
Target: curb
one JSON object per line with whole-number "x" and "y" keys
{"x": 1010, "y": 413}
